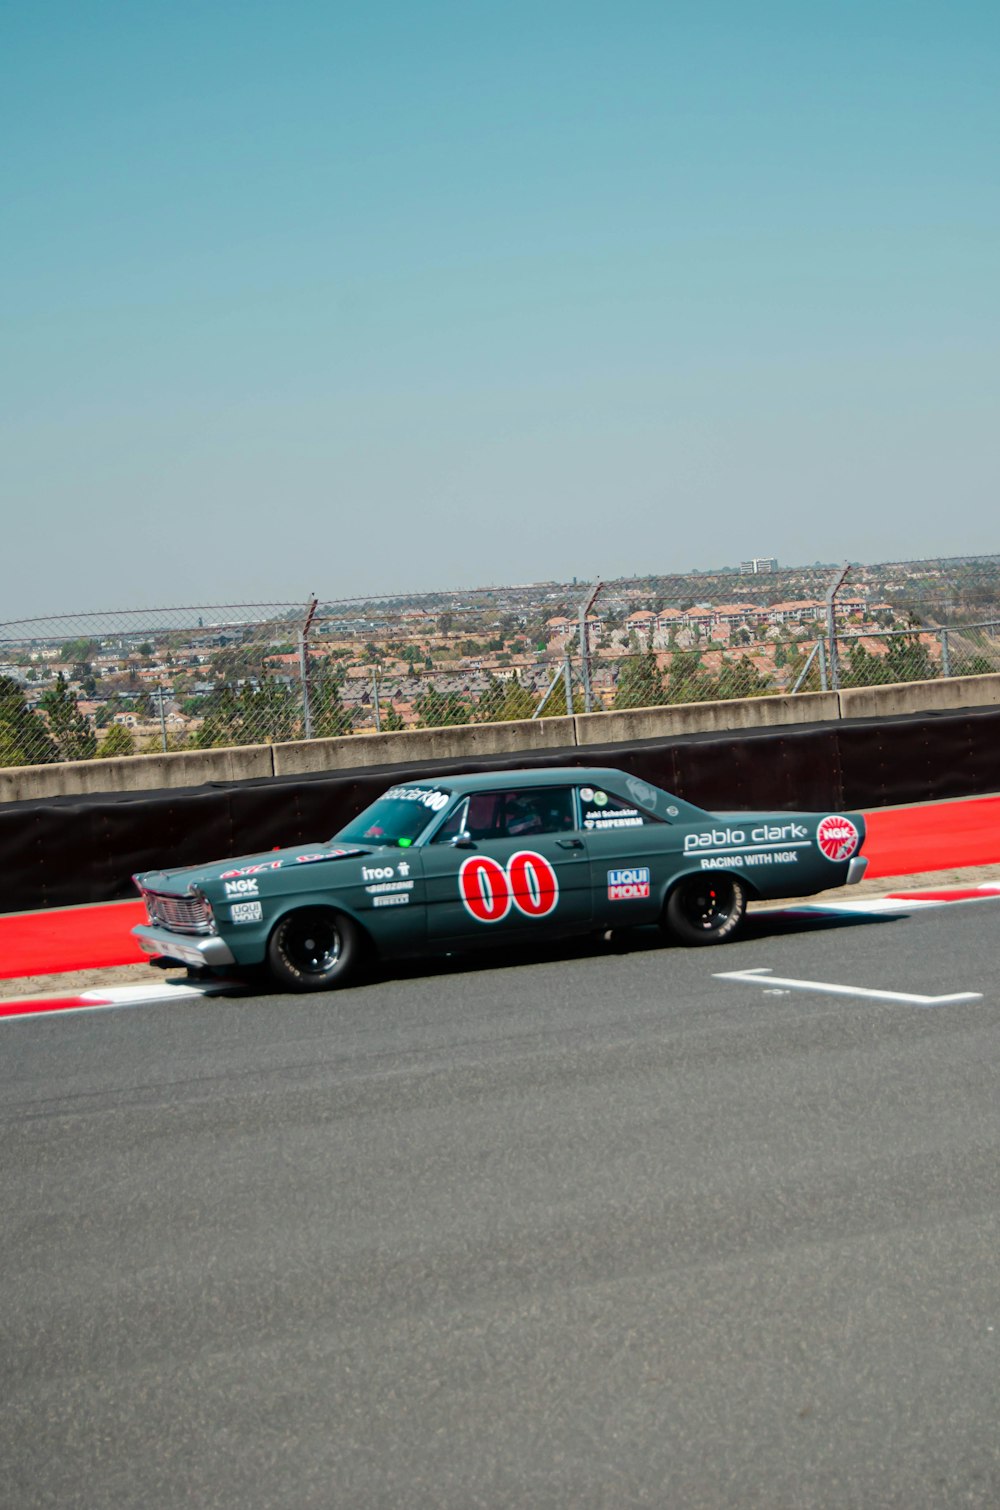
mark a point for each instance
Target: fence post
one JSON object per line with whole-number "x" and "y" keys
{"x": 831, "y": 629}
{"x": 822, "y": 666}
{"x": 585, "y": 646}
{"x": 568, "y": 675}
{"x": 304, "y": 666}
{"x": 163, "y": 720}
{"x": 945, "y": 654}
{"x": 378, "y": 711}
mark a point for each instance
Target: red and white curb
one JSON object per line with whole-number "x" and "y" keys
{"x": 110, "y": 998}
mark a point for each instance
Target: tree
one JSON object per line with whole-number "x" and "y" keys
{"x": 435, "y": 711}
{"x": 640, "y": 684}
{"x": 556, "y": 705}
{"x": 863, "y": 669}
{"x": 392, "y": 721}
{"x": 266, "y": 714}
{"x": 117, "y": 741}
{"x": 81, "y": 650}
{"x": 686, "y": 680}
{"x": 445, "y": 621}
{"x": 24, "y": 739}
{"x": 328, "y": 715}
{"x": 738, "y": 679}
{"x": 519, "y": 702}
{"x": 908, "y": 660}
{"x": 72, "y": 730}
{"x": 489, "y": 708}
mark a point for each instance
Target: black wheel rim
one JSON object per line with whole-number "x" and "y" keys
{"x": 312, "y": 944}
{"x": 707, "y": 905}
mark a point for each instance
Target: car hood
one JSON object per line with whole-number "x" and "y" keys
{"x": 190, "y": 877}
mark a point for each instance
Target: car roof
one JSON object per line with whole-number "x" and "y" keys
{"x": 550, "y": 776}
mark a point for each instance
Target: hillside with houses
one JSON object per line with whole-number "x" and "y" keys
{"x": 148, "y": 681}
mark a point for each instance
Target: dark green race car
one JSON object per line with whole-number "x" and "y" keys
{"x": 438, "y": 866}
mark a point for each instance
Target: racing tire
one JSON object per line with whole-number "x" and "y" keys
{"x": 313, "y": 949}
{"x": 705, "y": 909}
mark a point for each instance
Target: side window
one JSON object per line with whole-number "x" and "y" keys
{"x": 454, "y": 826}
{"x": 485, "y": 818}
{"x": 543, "y": 810}
{"x": 602, "y": 810}
{"x": 511, "y": 814}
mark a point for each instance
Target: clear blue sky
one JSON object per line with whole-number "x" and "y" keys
{"x": 381, "y": 297}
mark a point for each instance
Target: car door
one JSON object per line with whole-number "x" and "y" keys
{"x": 510, "y": 863}
{"x": 632, "y": 854}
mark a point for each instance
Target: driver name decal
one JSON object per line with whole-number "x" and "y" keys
{"x": 489, "y": 889}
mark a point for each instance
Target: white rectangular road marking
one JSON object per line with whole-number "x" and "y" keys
{"x": 763, "y": 977}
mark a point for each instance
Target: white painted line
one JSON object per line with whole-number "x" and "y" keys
{"x": 762, "y": 977}
{"x": 123, "y": 996}
{"x": 874, "y": 904}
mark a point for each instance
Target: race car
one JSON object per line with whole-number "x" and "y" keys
{"x": 440, "y": 866}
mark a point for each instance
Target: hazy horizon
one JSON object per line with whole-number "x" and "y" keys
{"x": 404, "y": 300}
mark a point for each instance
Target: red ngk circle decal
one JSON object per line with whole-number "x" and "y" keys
{"x": 837, "y": 838}
{"x": 488, "y": 888}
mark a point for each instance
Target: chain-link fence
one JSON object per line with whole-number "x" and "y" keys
{"x": 87, "y": 685}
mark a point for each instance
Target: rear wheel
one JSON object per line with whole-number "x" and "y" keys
{"x": 705, "y": 909}
{"x": 313, "y": 949}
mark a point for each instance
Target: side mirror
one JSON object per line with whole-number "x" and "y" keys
{"x": 463, "y": 841}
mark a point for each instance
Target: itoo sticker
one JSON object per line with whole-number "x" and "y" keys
{"x": 587, "y": 793}
{"x": 837, "y": 838}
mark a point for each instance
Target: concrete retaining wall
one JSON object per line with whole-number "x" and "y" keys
{"x": 705, "y": 718}
{"x": 461, "y": 741}
{"x": 190, "y": 768}
{"x": 135, "y": 773}
{"x": 920, "y": 697}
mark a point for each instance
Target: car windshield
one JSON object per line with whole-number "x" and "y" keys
{"x": 398, "y": 818}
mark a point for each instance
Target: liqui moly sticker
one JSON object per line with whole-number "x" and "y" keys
{"x": 837, "y": 838}
{"x": 628, "y": 885}
{"x": 247, "y": 912}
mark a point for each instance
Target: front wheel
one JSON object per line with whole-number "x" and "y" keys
{"x": 313, "y": 949}
{"x": 705, "y": 909}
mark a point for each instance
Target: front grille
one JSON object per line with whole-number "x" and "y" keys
{"x": 181, "y": 914}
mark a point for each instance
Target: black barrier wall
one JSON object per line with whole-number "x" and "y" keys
{"x": 85, "y": 849}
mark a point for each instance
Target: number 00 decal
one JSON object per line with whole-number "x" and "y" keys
{"x": 488, "y": 889}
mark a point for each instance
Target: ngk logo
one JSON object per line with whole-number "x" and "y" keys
{"x": 837, "y": 838}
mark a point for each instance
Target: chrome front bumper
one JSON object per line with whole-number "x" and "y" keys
{"x": 856, "y": 870}
{"x": 194, "y": 950}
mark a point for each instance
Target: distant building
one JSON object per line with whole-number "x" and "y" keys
{"x": 757, "y": 565}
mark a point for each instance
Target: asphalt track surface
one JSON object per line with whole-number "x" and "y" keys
{"x": 585, "y": 1228}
